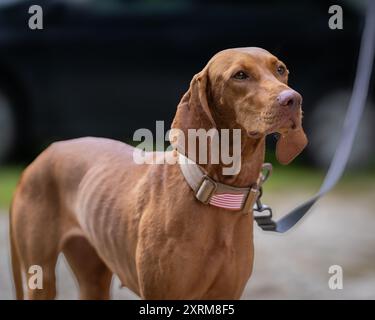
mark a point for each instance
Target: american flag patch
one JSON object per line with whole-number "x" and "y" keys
{"x": 232, "y": 201}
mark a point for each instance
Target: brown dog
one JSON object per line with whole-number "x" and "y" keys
{"x": 108, "y": 215}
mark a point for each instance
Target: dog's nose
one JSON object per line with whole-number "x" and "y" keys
{"x": 289, "y": 98}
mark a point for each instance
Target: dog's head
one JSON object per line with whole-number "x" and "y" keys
{"x": 245, "y": 88}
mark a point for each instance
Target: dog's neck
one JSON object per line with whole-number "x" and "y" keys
{"x": 251, "y": 160}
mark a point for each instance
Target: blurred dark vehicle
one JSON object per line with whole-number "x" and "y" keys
{"x": 107, "y": 68}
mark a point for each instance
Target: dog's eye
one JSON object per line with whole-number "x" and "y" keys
{"x": 240, "y": 75}
{"x": 281, "y": 70}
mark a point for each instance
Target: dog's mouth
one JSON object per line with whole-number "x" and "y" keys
{"x": 288, "y": 121}
{"x": 254, "y": 134}
{"x": 291, "y": 124}
{"x": 288, "y": 124}
{"x": 279, "y": 122}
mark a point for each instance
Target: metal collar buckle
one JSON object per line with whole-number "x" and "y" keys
{"x": 206, "y": 188}
{"x": 251, "y": 198}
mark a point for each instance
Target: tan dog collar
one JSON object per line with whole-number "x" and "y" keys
{"x": 209, "y": 191}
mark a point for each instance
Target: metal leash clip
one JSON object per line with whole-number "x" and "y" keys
{"x": 264, "y": 219}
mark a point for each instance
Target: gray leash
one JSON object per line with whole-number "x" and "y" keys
{"x": 340, "y": 159}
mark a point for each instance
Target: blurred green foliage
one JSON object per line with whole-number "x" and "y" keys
{"x": 9, "y": 177}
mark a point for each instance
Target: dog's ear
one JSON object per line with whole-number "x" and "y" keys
{"x": 290, "y": 145}
{"x": 199, "y": 100}
{"x": 193, "y": 111}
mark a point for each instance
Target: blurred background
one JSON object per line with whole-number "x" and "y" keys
{"x": 108, "y": 67}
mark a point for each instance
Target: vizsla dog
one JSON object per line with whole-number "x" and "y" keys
{"x": 109, "y": 215}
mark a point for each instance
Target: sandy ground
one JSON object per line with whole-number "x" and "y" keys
{"x": 340, "y": 230}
